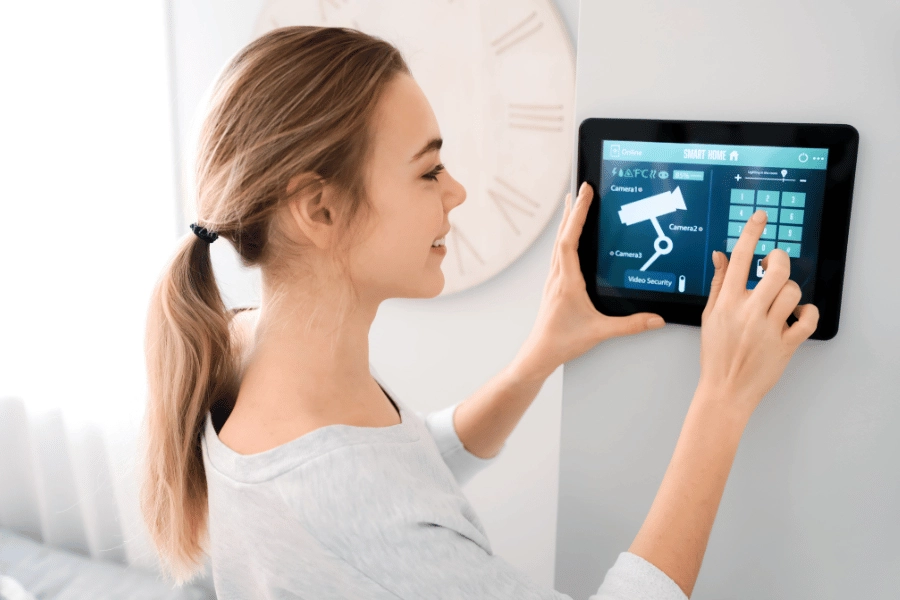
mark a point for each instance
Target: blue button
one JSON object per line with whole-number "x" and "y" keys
{"x": 742, "y": 196}
{"x": 735, "y": 228}
{"x": 793, "y": 199}
{"x": 793, "y": 250}
{"x": 789, "y": 233}
{"x": 738, "y": 212}
{"x": 772, "y": 214}
{"x": 654, "y": 281}
{"x": 766, "y": 198}
{"x": 764, "y": 247}
{"x": 792, "y": 217}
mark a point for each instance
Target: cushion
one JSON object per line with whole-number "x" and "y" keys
{"x": 53, "y": 574}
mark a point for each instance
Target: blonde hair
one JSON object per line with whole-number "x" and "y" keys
{"x": 296, "y": 100}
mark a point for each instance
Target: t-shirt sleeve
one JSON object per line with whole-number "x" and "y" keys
{"x": 463, "y": 464}
{"x": 634, "y": 578}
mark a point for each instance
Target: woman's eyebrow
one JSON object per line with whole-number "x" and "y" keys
{"x": 433, "y": 144}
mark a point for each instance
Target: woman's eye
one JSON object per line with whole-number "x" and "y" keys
{"x": 433, "y": 174}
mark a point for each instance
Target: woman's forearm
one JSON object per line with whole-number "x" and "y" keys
{"x": 675, "y": 534}
{"x": 484, "y": 420}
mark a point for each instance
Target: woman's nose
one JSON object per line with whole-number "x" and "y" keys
{"x": 457, "y": 195}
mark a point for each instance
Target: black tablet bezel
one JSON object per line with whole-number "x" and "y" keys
{"x": 842, "y": 142}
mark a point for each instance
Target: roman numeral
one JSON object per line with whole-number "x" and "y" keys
{"x": 512, "y": 198}
{"x": 543, "y": 117}
{"x": 462, "y": 240}
{"x": 517, "y": 33}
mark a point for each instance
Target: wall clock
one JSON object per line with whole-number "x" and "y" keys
{"x": 500, "y": 77}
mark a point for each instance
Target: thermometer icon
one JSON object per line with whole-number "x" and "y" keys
{"x": 681, "y": 281}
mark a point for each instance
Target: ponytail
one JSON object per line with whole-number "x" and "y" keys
{"x": 190, "y": 365}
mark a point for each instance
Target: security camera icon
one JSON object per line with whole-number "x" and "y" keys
{"x": 649, "y": 209}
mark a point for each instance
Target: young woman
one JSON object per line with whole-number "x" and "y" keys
{"x": 271, "y": 445}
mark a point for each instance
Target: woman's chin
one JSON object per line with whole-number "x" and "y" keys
{"x": 436, "y": 285}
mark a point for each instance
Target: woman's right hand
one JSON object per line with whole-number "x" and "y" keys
{"x": 745, "y": 344}
{"x": 745, "y": 341}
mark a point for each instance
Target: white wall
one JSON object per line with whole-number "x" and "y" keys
{"x": 812, "y": 507}
{"x": 432, "y": 352}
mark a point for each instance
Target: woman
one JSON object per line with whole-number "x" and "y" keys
{"x": 272, "y": 447}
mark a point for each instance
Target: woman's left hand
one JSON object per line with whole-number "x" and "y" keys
{"x": 567, "y": 324}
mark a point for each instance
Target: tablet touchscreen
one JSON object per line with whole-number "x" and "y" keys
{"x": 666, "y": 206}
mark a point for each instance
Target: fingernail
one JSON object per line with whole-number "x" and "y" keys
{"x": 583, "y": 187}
{"x": 715, "y": 259}
{"x": 759, "y": 216}
{"x": 655, "y": 322}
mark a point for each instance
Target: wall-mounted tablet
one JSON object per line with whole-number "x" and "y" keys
{"x": 668, "y": 193}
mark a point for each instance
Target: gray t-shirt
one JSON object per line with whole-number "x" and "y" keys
{"x": 374, "y": 513}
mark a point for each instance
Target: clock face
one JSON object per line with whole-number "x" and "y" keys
{"x": 500, "y": 77}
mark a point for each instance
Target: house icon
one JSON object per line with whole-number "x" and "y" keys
{"x": 733, "y": 155}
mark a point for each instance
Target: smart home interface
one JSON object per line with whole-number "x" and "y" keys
{"x": 664, "y": 207}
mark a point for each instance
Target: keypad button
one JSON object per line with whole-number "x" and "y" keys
{"x": 791, "y": 216}
{"x": 790, "y": 233}
{"x": 740, "y": 213}
{"x": 767, "y": 198}
{"x": 742, "y": 196}
{"x": 793, "y": 199}
{"x": 793, "y": 250}
{"x": 735, "y": 228}
{"x": 764, "y": 247}
{"x": 771, "y": 214}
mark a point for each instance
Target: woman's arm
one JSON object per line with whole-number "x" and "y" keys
{"x": 567, "y": 326}
{"x": 676, "y": 530}
{"x": 745, "y": 345}
{"x": 484, "y": 420}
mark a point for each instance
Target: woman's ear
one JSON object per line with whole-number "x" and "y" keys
{"x": 311, "y": 207}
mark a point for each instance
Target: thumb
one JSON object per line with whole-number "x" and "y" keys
{"x": 620, "y": 326}
{"x": 720, "y": 261}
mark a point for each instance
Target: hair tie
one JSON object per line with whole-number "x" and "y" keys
{"x": 204, "y": 234}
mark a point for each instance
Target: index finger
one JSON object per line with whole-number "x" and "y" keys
{"x": 742, "y": 254}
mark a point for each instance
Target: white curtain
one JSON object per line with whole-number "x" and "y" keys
{"x": 88, "y": 218}
{"x": 70, "y": 484}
